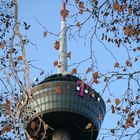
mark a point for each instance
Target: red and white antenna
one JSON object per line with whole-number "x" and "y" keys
{"x": 62, "y": 67}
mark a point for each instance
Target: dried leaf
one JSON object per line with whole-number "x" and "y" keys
{"x": 6, "y": 129}
{"x": 118, "y": 108}
{"x": 81, "y": 11}
{"x": 119, "y": 77}
{"x": 94, "y": 1}
{"x": 2, "y": 45}
{"x": 88, "y": 10}
{"x": 121, "y": 9}
{"x": 108, "y": 100}
{"x": 7, "y": 107}
{"x": 128, "y": 63}
{"x": 128, "y": 30}
{"x": 74, "y": 71}
{"x": 1, "y": 98}
{"x": 138, "y": 48}
{"x": 106, "y": 14}
{"x": 78, "y": 24}
{"x": 131, "y": 114}
{"x": 57, "y": 45}
{"x": 33, "y": 125}
{"x": 112, "y": 131}
{"x": 132, "y": 124}
{"x": 88, "y": 126}
{"x": 69, "y": 55}
{"x": 58, "y": 89}
{"x": 129, "y": 120}
{"x": 117, "y": 101}
{"x": 126, "y": 110}
{"x": 76, "y": 1}
{"x": 135, "y": 49}
{"x": 114, "y": 28}
{"x": 95, "y": 81}
{"x": 115, "y": 6}
{"x": 125, "y": 5}
{"x": 137, "y": 97}
{"x": 124, "y": 126}
{"x": 105, "y": 79}
{"x": 59, "y": 64}
{"x": 130, "y": 10}
{"x": 136, "y": 59}
{"x": 138, "y": 111}
{"x": 46, "y": 126}
{"x": 64, "y": 12}
{"x": 8, "y": 102}
{"x": 81, "y": 5}
{"x": 88, "y": 70}
{"x": 116, "y": 65}
{"x": 45, "y": 34}
{"x": 42, "y": 72}
{"x": 20, "y": 58}
{"x": 55, "y": 63}
{"x": 113, "y": 109}
{"x": 95, "y": 75}
{"x": 15, "y": 63}
{"x": 124, "y": 69}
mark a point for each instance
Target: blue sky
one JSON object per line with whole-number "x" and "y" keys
{"x": 47, "y": 12}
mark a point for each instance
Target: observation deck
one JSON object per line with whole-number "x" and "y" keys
{"x": 58, "y": 103}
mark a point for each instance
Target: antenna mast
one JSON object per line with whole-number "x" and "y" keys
{"x": 62, "y": 62}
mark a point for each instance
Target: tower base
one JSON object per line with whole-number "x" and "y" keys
{"x": 61, "y": 135}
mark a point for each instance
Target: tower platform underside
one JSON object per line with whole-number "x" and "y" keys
{"x": 56, "y": 102}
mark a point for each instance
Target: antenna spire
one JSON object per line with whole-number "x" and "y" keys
{"x": 62, "y": 67}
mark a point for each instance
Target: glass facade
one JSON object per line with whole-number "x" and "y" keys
{"x": 61, "y": 95}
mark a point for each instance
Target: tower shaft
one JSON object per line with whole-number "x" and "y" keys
{"x": 63, "y": 49}
{"x": 61, "y": 135}
{"x": 62, "y": 68}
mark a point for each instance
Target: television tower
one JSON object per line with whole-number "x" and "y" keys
{"x": 64, "y": 107}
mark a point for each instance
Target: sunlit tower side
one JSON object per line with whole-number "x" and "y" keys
{"x": 64, "y": 106}
{"x": 62, "y": 64}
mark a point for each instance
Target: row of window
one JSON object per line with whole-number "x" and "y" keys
{"x": 71, "y": 103}
{"x": 68, "y": 95}
{"x": 81, "y": 91}
{"x": 67, "y": 91}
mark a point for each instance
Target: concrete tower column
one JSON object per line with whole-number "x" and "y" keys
{"x": 63, "y": 49}
{"x": 61, "y": 135}
{"x": 62, "y": 68}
